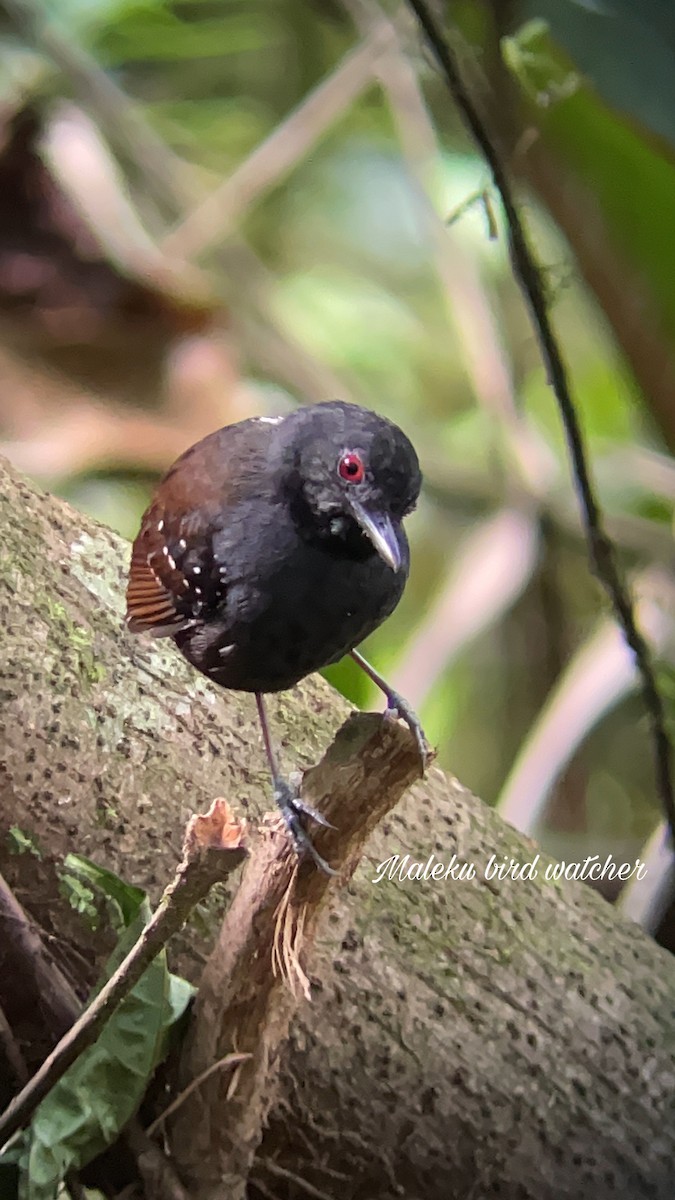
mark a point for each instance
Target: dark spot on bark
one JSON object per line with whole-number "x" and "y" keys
{"x": 351, "y": 940}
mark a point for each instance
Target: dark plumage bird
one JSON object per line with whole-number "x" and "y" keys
{"x": 272, "y": 548}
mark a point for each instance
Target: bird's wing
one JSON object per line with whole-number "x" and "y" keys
{"x": 159, "y": 598}
{"x": 172, "y": 578}
{"x": 175, "y": 577}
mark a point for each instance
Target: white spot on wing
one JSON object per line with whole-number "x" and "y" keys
{"x": 268, "y": 420}
{"x": 148, "y": 559}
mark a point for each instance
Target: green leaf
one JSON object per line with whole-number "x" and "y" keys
{"x": 626, "y": 49}
{"x": 541, "y": 73}
{"x": 79, "y": 897}
{"x": 125, "y": 898}
{"x": 100, "y": 1093}
{"x": 621, "y": 184}
{"x": 87, "y": 1108}
{"x": 158, "y": 33}
{"x": 22, "y": 843}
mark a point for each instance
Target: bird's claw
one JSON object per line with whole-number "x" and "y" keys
{"x": 308, "y": 810}
{"x": 397, "y": 706}
{"x": 292, "y": 809}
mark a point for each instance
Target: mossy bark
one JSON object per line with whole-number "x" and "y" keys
{"x": 465, "y": 1037}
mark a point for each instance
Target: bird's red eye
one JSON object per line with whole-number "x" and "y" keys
{"x": 351, "y": 468}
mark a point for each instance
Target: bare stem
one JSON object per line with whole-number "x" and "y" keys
{"x": 528, "y": 276}
{"x": 205, "y": 862}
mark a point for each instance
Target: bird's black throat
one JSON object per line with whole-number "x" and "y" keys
{"x": 337, "y": 534}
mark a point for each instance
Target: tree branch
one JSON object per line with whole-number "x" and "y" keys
{"x": 255, "y": 978}
{"x": 10, "y": 1051}
{"x": 533, "y": 1028}
{"x": 27, "y": 967}
{"x": 213, "y": 849}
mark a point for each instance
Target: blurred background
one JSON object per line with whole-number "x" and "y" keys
{"x": 211, "y": 209}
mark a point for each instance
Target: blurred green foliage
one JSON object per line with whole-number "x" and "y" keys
{"x": 427, "y": 325}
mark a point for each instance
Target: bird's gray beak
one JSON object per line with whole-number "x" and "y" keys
{"x": 379, "y": 528}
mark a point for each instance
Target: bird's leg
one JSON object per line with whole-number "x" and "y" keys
{"x": 396, "y": 706}
{"x": 291, "y": 805}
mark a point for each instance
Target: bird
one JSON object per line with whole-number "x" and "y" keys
{"x": 271, "y": 549}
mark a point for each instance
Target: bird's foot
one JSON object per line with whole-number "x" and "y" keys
{"x": 293, "y": 809}
{"x": 397, "y": 706}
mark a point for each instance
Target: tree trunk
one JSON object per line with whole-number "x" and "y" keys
{"x": 465, "y": 1037}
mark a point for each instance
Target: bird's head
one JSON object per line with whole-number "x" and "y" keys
{"x": 356, "y": 475}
